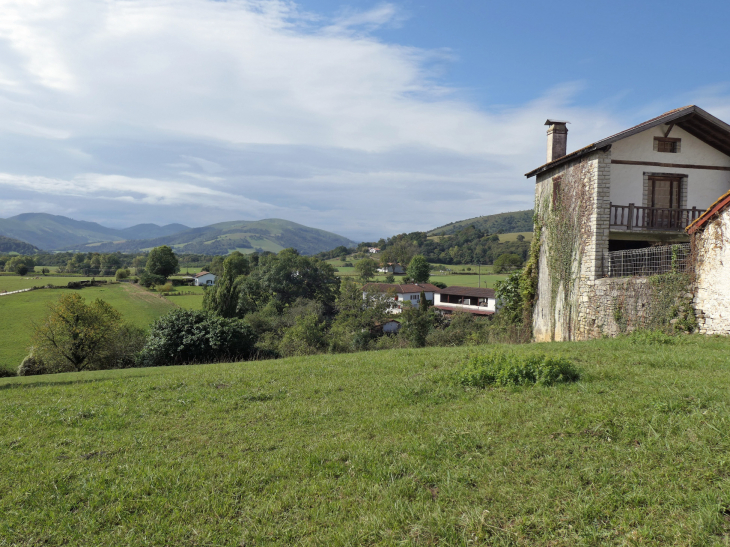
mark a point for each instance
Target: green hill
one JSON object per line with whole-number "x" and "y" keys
{"x": 50, "y": 232}
{"x": 244, "y": 235}
{"x": 504, "y": 223}
{"x": 375, "y": 448}
{"x": 10, "y": 245}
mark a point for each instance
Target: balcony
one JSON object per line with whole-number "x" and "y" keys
{"x": 636, "y": 218}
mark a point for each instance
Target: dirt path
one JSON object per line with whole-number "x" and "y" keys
{"x": 136, "y": 292}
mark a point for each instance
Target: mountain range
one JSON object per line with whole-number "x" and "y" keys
{"x": 53, "y": 232}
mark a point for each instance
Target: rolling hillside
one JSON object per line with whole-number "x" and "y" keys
{"x": 222, "y": 238}
{"x": 50, "y": 232}
{"x": 505, "y": 223}
{"x": 10, "y": 245}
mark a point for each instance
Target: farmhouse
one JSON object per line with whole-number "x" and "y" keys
{"x": 465, "y": 299}
{"x": 402, "y": 293}
{"x": 613, "y": 213}
{"x": 392, "y": 267}
{"x": 373, "y": 250}
{"x": 204, "y": 278}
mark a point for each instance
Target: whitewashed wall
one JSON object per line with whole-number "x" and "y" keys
{"x": 704, "y": 186}
{"x": 712, "y": 292}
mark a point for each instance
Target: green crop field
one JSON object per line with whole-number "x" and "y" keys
{"x": 138, "y": 306}
{"x": 378, "y": 448}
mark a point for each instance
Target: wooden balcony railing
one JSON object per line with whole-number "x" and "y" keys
{"x": 632, "y": 217}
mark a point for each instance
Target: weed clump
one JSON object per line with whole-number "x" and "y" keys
{"x": 508, "y": 369}
{"x": 652, "y": 338}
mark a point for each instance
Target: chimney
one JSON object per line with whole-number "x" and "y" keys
{"x": 557, "y": 141}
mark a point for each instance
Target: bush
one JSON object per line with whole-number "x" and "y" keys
{"x": 439, "y": 284}
{"x": 6, "y": 373}
{"x": 184, "y": 337}
{"x": 151, "y": 280}
{"x": 167, "y": 287}
{"x": 651, "y": 337}
{"x": 31, "y": 366}
{"x": 507, "y": 369}
{"x": 121, "y": 273}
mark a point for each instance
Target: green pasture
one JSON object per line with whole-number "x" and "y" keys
{"x": 10, "y": 283}
{"x": 20, "y": 311}
{"x": 378, "y": 448}
{"x": 513, "y": 236}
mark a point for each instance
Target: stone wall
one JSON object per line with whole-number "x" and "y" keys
{"x": 712, "y": 276}
{"x": 556, "y": 317}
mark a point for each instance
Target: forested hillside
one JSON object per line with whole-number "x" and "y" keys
{"x": 502, "y": 223}
{"x": 10, "y": 245}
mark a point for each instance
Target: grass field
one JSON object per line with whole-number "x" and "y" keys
{"x": 15, "y": 282}
{"x": 375, "y": 448}
{"x": 136, "y": 305}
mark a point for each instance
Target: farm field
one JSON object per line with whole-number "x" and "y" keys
{"x": 15, "y": 282}
{"x": 378, "y": 448}
{"x": 136, "y": 305}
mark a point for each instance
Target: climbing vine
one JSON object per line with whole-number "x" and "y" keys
{"x": 564, "y": 212}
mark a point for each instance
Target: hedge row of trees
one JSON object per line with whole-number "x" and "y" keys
{"x": 260, "y": 307}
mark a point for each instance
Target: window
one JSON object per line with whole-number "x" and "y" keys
{"x": 415, "y": 296}
{"x": 664, "y": 144}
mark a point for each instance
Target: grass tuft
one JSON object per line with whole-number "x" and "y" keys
{"x": 503, "y": 368}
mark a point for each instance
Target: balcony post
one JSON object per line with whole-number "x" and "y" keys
{"x": 630, "y": 223}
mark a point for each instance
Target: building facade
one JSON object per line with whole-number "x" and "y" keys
{"x": 637, "y": 189}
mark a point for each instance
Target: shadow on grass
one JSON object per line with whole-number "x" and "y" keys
{"x": 43, "y": 382}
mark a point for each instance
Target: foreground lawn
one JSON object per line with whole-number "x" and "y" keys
{"x": 20, "y": 311}
{"x": 373, "y": 449}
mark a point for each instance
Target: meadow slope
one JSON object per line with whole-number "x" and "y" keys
{"x": 375, "y": 448}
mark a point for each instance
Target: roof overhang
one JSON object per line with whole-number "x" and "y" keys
{"x": 693, "y": 119}
{"x": 716, "y": 208}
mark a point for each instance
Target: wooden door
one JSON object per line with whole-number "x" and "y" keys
{"x": 665, "y": 195}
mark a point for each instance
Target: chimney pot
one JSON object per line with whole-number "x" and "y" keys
{"x": 557, "y": 139}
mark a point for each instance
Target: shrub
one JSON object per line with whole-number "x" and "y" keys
{"x": 190, "y": 336}
{"x": 151, "y": 280}
{"x": 507, "y": 369}
{"x": 167, "y": 287}
{"x": 651, "y": 337}
{"x": 121, "y": 273}
{"x": 6, "y": 373}
{"x": 305, "y": 337}
{"x": 31, "y": 366}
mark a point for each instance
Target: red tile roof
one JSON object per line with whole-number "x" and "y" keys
{"x": 401, "y": 289}
{"x": 715, "y": 209}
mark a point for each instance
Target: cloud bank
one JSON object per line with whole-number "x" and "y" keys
{"x": 199, "y": 111}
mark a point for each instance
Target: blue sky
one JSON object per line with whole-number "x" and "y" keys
{"x": 363, "y": 118}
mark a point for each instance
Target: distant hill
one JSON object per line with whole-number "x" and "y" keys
{"x": 505, "y": 223}
{"x": 243, "y": 235}
{"x": 10, "y": 245}
{"x": 50, "y": 232}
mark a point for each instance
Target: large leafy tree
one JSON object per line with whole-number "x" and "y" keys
{"x": 223, "y": 297}
{"x": 162, "y": 261}
{"x": 419, "y": 270}
{"x": 76, "y": 335}
{"x": 366, "y": 268}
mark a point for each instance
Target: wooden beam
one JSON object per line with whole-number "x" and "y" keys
{"x": 671, "y": 126}
{"x": 678, "y": 165}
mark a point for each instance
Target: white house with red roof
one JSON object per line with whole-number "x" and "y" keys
{"x": 472, "y": 300}
{"x": 402, "y": 293}
{"x": 204, "y": 279}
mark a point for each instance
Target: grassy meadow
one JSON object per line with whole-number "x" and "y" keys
{"x": 378, "y": 448}
{"x": 137, "y": 306}
{"x": 450, "y": 278}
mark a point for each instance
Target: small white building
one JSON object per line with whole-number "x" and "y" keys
{"x": 392, "y": 267}
{"x": 204, "y": 279}
{"x": 466, "y": 299}
{"x": 373, "y": 250}
{"x": 402, "y": 293}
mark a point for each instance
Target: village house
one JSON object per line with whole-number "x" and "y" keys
{"x": 392, "y": 267}
{"x": 613, "y": 213}
{"x": 373, "y": 250}
{"x": 465, "y": 299}
{"x": 204, "y": 279}
{"x": 402, "y": 293}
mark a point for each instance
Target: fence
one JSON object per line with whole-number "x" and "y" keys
{"x": 648, "y": 261}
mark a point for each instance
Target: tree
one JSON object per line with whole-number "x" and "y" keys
{"x": 76, "y": 335}
{"x": 520, "y": 237}
{"x": 419, "y": 270}
{"x": 366, "y": 268}
{"x": 162, "y": 261}
{"x": 22, "y": 269}
{"x": 510, "y": 299}
{"x": 507, "y": 263}
{"x": 222, "y": 298}
{"x": 122, "y": 273}
{"x": 390, "y": 278}
{"x": 45, "y": 271}
{"x": 192, "y": 336}
{"x": 20, "y": 265}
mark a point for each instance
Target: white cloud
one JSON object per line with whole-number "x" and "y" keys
{"x": 269, "y": 109}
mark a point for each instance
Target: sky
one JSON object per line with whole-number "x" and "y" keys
{"x": 363, "y": 118}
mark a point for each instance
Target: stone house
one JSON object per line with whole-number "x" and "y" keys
{"x": 626, "y": 196}
{"x": 711, "y": 246}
